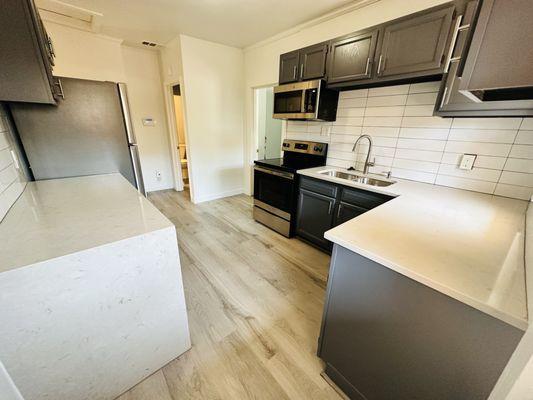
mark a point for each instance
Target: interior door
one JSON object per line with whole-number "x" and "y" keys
{"x": 313, "y": 61}
{"x": 288, "y": 67}
{"x": 415, "y": 44}
{"x": 351, "y": 58}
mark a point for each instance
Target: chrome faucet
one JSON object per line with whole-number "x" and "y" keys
{"x": 367, "y": 162}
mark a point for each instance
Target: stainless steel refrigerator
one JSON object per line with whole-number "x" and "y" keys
{"x": 88, "y": 132}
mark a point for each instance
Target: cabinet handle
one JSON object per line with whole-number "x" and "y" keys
{"x": 379, "y": 63}
{"x": 442, "y": 102}
{"x": 51, "y": 47}
{"x": 301, "y": 71}
{"x": 367, "y": 65}
{"x": 294, "y": 72}
{"x": 339, "y": 211}
{"x": 330, "y": 207}
{"x": 453, "y": 42}
{"x": 61, "y": 92}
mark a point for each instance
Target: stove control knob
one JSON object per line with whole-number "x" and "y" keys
{"x": 317, "y": 148}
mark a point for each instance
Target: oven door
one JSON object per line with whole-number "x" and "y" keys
{"x": 296, "y": 100}
{"x": 274, "y": 191}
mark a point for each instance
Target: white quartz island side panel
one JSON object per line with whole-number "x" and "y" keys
{"x": 92, "y": 323}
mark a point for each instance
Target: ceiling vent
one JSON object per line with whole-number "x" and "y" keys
{"x": 67, "y": 14}
{"x": 149, "y": 44}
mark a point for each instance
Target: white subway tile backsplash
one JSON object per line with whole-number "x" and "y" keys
{"x": 426, "y": 122}
{"x": 388, "y": 90}
{"x": 519, "y": 165}
{"x": 382, "y": 121}
{"x": 488, "y": 149}
{"x": 524, "y": 137}
{"x": 487, "y": 123}
{"x": 483, "y": 135}
{"x": 517, "y": 178}
{"x": 3, "y": 140}
{"x": 5, "y": 158}
{"x": 424, "y": 133}
{"x": 353, "y": 94}
{"x": 424, "y": 87}
{"x": 527, "y": 123}
{"x": 422, "y": 155}
{"x": 392, "y": 111}
{"x": 516, "y": 192}
{"x": 420, "y": 99}
{"x": 522, "y": 151}
{"x": 419, "y": 111}
{"x": 383, "y": 101}
{"x": 355, "y": 102}
{"x": 413, "y": 144}
{"x": 351, "y": 112}
{"x": 354, "y": 121}
{"x": 465, "y": 183}
{"x": 490, "y": 175}
{"x": 3, "y": 123}
{"x": 421, "y": 144}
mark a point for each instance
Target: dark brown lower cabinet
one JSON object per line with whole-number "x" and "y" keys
{"x": 385, "y": 336}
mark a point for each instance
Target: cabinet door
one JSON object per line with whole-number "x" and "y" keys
{"x": 313, "y": 61}
{"x": 501, "y": 52}
{"x": 346, "y": 212}
{"x": 415, "y": 45}
{"x": 25, "y": 67}
{"x": 351, "y": 58}
{"x": 451, "y": 102}
{"x": 315, "y": 216}
{"x": 288, "y": 67}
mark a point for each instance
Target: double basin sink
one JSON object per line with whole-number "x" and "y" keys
{"x": 357, "y": 178}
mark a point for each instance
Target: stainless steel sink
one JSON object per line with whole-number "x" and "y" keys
{"x": 356, "y": 178}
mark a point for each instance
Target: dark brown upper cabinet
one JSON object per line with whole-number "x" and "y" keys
{"x": 453, "y": 103}
{"x": 304, "y": 64}
{"x": 26, "y": 55}
{"x": 288, "y": 67}
{"x": 415, "y": 45}
{"x": 499, "y": 62}
{"x": 351, "y": 57}
{"x": 313, "y": 61}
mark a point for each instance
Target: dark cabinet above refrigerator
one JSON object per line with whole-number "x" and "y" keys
{"x": 27, "y": 55}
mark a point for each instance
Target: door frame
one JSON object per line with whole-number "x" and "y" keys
{"x": 254, "y": 132}
{"x": 174, "y": 152}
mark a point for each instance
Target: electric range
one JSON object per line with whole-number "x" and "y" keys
{"x": 276, "y": 183}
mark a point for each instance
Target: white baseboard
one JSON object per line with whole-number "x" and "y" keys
{"x": 214, "y": 196}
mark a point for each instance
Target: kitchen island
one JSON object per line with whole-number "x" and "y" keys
{"x": 426, "y": 294}
{"x": 91, "y": 294}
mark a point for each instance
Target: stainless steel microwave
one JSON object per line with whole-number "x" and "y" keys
{"x": 309, "y": 100}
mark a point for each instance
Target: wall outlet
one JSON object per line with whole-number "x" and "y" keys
{"x": 467, "y": 161}
{"x": 158, "y": 175}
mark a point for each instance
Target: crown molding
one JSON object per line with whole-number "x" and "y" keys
{"x": 316, "y": 21}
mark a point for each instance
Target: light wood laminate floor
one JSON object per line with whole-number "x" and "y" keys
{"x": 254, "y": 300}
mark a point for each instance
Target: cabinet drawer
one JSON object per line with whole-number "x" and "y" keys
{"x": 325, "y": 188}
{"x": 363, "y": 198}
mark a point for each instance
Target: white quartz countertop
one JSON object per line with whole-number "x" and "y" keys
{"x": 57, "y": 217}
{"x": 469, "y": 246}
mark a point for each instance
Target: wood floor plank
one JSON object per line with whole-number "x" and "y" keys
{"x": 254, "y": 300}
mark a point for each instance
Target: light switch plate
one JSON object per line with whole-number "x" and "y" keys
{"x": 467, "y": 161}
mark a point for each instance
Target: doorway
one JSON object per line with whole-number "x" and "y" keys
{"x": 268, "y": 130}
{"x": 181, "y": 140}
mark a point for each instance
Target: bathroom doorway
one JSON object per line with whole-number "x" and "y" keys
{"x": 268, "y": 130}
{"x": 181, "y": 140}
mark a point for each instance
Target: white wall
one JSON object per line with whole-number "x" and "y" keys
{"x": 212, "y": 90}
{"x": 86, "y": 55}
{"x": 261, "y": 61}
{"x": 146, "y": 100}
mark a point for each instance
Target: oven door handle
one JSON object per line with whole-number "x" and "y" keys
{"x": 281, "y": 174}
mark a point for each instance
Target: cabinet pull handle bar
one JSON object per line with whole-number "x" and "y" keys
{"x": 456, "y": 30}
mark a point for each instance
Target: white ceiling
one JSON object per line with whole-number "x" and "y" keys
{"x": 233, "y": 22}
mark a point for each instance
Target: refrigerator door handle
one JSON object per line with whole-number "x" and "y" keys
{"x": 126, "y": 111}
{"x": 134, "y": 151}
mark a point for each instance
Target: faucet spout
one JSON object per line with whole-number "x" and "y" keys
{"x": 368, "y": 163}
